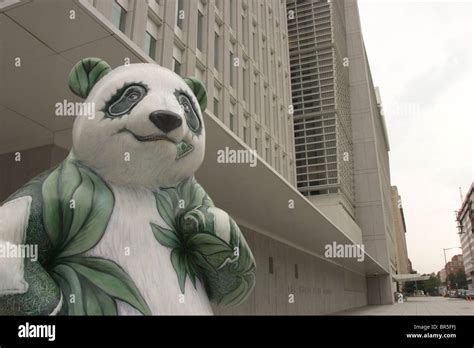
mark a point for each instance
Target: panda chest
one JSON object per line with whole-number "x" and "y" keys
{"x": 129, "y": 241}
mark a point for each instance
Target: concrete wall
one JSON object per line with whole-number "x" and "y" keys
{"x": 371, "y": 168}
{"x": 399, "y": 230}
{"x": 14, "y": 173}
{"x": 321, "y": 287}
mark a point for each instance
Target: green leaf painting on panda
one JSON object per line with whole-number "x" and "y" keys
{"x": 122, "y": 227}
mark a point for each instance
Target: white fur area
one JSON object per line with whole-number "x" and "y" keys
{"x": 14, "y": 217}
{"x": 100, "y": 145}
{"x": 149, "y": 262}
{"x": 221, "y": 223}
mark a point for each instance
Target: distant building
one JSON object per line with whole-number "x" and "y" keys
{"x": 465, "y": 219}
{"x": 442, "y": 275}
{"x": 455, "y": 265}
{"x": 410, "y": 265}
{"x": 341, "y": 141}
{"x": 402, "y": 262}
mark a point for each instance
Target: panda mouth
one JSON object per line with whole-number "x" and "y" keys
{"x": 148, "y": 138}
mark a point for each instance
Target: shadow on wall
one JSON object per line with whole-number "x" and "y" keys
{"x": 17, "y": 168}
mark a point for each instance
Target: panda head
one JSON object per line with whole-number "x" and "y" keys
{"x": 147, "y": 130}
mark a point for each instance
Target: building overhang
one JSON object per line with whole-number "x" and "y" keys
{"x": 49, "y": 43}
{"x": 401, "y": 278}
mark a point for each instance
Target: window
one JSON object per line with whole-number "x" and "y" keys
{"x": 270, "y": 265}
{"x": 267, "y": 150}
{"x": 216, "y": 102}
{"x": 265, "y": 110}
{"x": 255, "y": 45}
{"x": 232, "y": 13}
{"x": 245, "y": 130}
{"x": 231, "y": 121}
{"x": 216, "y": 50}
{"x": 245, "y": 30}
{"x": 118, "y": 16}
{"x": 296, "y": 271}
{"x": 150, "y": 45}
{"x": 180, "y": 14}
{"x": 231, "y": 69}
{"x": 177, "y": 60}
{"x": 216, "y": 107}
{"x": 245, "y": 82}
{"x": 151, "y": 35}
{"x": 277, "y": 160}
{"x": 176, "y": 66}
{"x": 200, "y": 31}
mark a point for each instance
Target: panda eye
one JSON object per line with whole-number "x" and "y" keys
{"x": 191, "y": 117}
{"x": 134, "y": 96}
{"x": 126, "y": 101}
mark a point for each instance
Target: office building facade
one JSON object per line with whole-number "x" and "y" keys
{"x": 341, "y": 139}
{"x": 238, "y": 48}
{"x": 465, "y": 218}
{"x": 401, "y": 253}
{"x": 287, "y": 239}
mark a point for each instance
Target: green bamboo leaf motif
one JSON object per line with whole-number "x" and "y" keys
{"x": 110, "y": 278}
{"x": 52, "y": 211}
{"x": 83, "y": 205}
{"x": 197, "y": 195}
{"x": 236, "y": 296}
{"x": 202, "y": 262}
{"x": 92, "y": 303}
{"x": 190, "y": 269}
{"x": 208, "y": 244}
{"x": 197, "y": 251}
{"x": 68, "y": 182}
{"x": 165, "y": 208}
{"x": 94, "y": 282}
{"x": 96, "y": 222}
{"x": 178, "y": 262}
{"x": 164, "y": 236}
{"x": 97, "y": 302}
{"x": 107, "y": 303}
{"x": 70, "y": 284}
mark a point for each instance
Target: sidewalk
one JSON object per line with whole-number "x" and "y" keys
{"x": 418, "y": 306}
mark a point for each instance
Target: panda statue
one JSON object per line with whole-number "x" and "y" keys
{"x": 121, "y": 227}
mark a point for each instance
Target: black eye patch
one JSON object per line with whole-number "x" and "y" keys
{"x": 192, "y": 118}
{"x": 124, "y": 101}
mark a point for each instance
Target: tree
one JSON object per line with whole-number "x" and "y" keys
{"x": 458, "y": 280}
{"x": 429, "y": 286}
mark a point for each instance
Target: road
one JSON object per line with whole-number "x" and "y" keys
{"x": 418, "y": 306}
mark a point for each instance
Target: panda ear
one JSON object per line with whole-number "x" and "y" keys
{"x": 85, "y": 74}
{"x": 199, "y": 91}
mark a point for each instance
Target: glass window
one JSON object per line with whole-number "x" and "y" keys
{"x": 231, "y": 121}
{"x": 150, "y": 45}
{"x": 200, "y": 31}
{"x": 231, "y": 68}
{"x": 216, "y": 50}
{"x": 232, "y": 13}
{"x": 118, "y": 16}
{"x": 176, "y": 66}
{"x": 216, "y": 107}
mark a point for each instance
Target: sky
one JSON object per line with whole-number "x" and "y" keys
{"x": 420, "y": 54}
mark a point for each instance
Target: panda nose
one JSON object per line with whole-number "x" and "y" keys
{"x": 165, "y": 120}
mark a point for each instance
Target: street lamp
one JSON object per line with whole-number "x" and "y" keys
{"x": 446, "y": 262}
